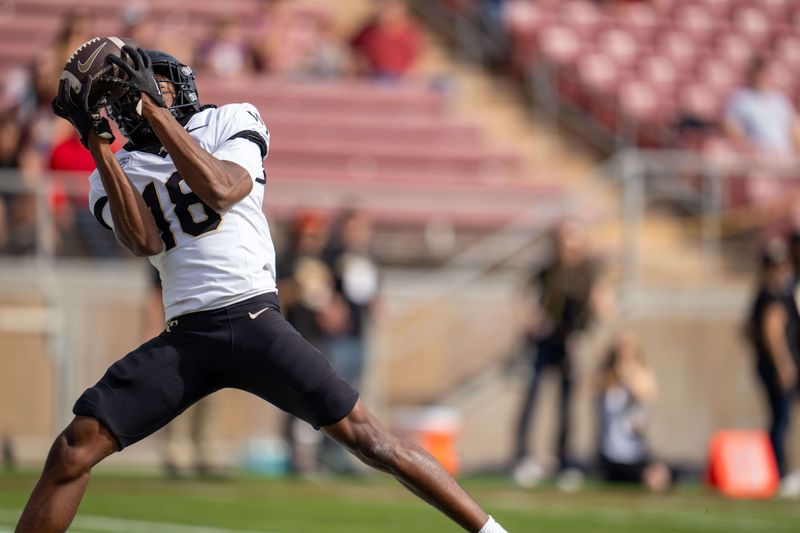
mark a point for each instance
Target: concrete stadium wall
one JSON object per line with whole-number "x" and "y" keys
{"x": 420, "y": 351}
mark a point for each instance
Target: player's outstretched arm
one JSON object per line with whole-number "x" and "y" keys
{"x": 134, "y": 224}
{"x": 220, "y": 184}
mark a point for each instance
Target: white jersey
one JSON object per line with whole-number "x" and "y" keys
{"x": 209, "y": 259}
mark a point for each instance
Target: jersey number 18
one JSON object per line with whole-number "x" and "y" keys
{"x": 182, "y": 200}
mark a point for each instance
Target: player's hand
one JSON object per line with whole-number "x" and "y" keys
{"x": 76, "y": 109}
{"x": 141, "y": 77}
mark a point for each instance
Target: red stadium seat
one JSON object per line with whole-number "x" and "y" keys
{"x": 720, "y": 9}
{"x": 717, "y": 74}
{"x": 776, "y": 10}
{"x": 696, "y": 21}
{"x": 559, "y": 44}
{"x": 699, "y": 101}
{"x": 734, "y": 49}
{"x": 787, "y": 51}
{"x": 640, "y": 101}
{"x": 522, "y": 16}
{"x": 678, "y": 47}
{"x": 660, "y": 72}
{"x": 640, "y": 19}
{"x": 752, "y": 23}
{"x": 783, "y": 77}
{"x": 598, "y": 72}
{"x": 620, "y": 45}
{"x": 582, "y": 16}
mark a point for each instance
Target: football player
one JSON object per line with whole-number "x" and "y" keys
{"x": 187, "y": 192}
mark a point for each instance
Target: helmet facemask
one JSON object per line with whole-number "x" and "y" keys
{"x": 185, "y": 102}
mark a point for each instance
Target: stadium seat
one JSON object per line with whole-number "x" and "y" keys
{"x": 776, "y": 10}
{"x": 639, "y": 101}
{"x": 734, "y": 49}
{"x": 699, "y": 101}
{"x": 581, "y": 16}
{"x": 559, "y": 44}
{"x": 598, "y": 72}
{"x": 783, "y": 77}
{"x": 696, "y": 21}
{"x": 620, "y": 46}
{"x": 718, "y": 74}
{"x": 787, "y": 51}
{"x": 678, "y": 47}
{"x": 719, "y": 9}
{"x": 660, "y": 72}
{"x": 640, "y": 19}
{"x": 753, "y": 24}
{"x": 521, "y": 16}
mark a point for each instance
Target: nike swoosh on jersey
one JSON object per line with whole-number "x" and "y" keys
{"x": 83, "y": 67}
{"x": 197, "y": 128}
{"x": 255, "y": 315}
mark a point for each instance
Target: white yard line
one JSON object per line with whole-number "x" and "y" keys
{"x": 89, "y": 523}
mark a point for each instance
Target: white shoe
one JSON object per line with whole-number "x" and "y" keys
{"x": 528, "y": 473}
{"x": 570, "y": 480}
{"x": 790, "y": 485}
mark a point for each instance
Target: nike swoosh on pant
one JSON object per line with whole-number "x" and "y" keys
{"x": 255, "y": 315}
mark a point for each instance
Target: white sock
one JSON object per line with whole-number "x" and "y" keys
{"x": 492, "y": 527}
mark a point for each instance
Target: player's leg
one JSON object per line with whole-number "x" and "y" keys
{"x": 55, "y": 499}
{"x": 274, "y": 362}
{"x": 138, "y": 395}
{"x": 564, "y": 415}
{"x": 522, "y": 434}
{"x": 362, "y": 434}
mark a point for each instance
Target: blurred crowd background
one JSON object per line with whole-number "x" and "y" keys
{"x": 506, "y": 218}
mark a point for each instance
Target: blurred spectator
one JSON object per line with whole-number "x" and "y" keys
{"x": 17, "y": 207}
{"x": 761, "y": 117}
{"x": 75, "y": 31}
{"x": 563, "y": 298}
{"x": 357, "y": 281}
{"x": 389, "y": 45}
{"x": 302, "y": 43}
{"x": 306, "y": 290}
{"x": 332, "y": 57}
{"x": 226, "y": 53}
{"x": 10, "y": 142}
{"x": 304, "y": 280}
{"x": 8, "y": 453}
{"x": 74, "y": 220}
{"x": 22, "y": 223}
{"x": 69, "y": 155}
{"x": 3, "y": 227}
{"x": 793, "y": 326}
{"x": 627, "y": 387}
{"x": 768, "y": 328}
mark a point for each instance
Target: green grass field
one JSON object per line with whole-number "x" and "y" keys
{"x": 144, "y": 503}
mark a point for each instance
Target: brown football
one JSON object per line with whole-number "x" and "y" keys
{"x": 90, "y": 60}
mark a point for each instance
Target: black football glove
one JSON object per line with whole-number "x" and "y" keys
{"x": 77, "y": 110}
{"x": 141, "y": 78}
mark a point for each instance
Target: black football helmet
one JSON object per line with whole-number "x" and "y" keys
{"x": 186, "y": 103}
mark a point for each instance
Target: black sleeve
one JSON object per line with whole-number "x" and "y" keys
{"x": 252, "y": 136}
{"x": 99, "y": 205}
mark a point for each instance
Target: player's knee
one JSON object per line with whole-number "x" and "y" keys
{"x": 76, "y": 451}
{"x": 68, "y": 461}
